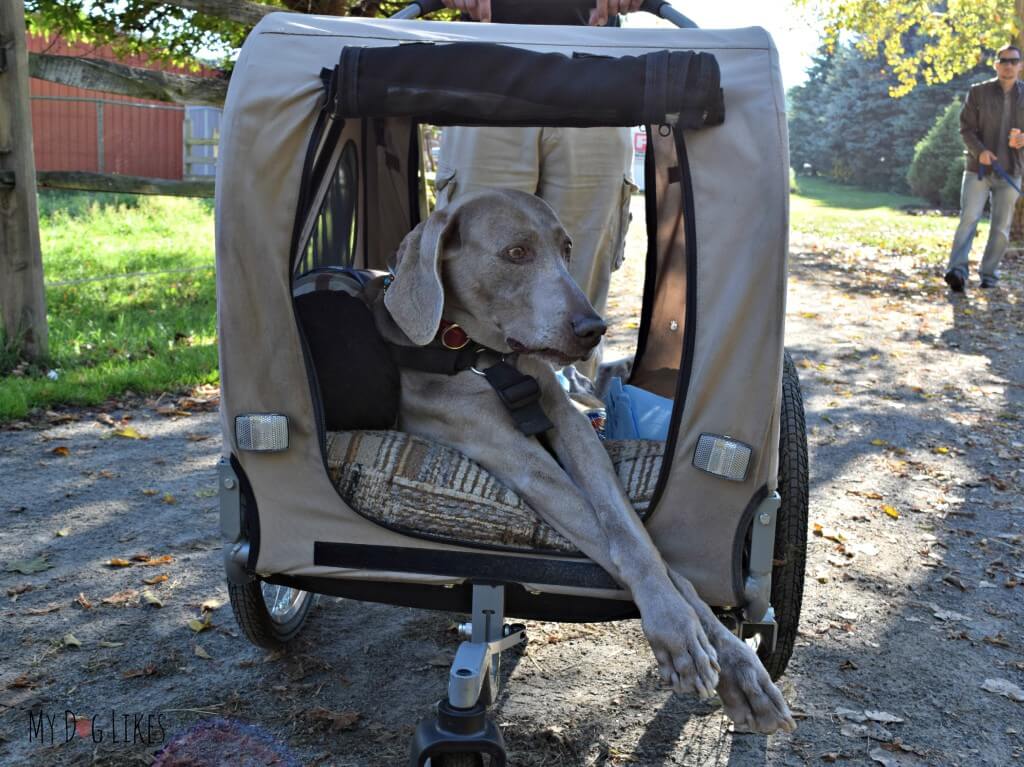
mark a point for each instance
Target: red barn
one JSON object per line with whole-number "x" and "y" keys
{"x": 85, "y": 130}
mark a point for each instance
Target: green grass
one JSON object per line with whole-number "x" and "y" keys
{"x": 856, "y": 216}
{"x": 135, "y": 332}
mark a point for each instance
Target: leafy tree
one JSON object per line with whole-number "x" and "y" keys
{"x": 175, "y": 30}
{"x": 938, "y": 163}
{"x": 924, "y": 41}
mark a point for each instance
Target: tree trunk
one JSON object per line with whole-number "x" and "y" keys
{"x": 102, "y": 75}
{"x": 22, "y": 299}
{"x": 1017, "y": 226}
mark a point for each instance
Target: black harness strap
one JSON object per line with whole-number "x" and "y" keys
{"x": 520, "y": 393}
{"x": 435, "y": 359}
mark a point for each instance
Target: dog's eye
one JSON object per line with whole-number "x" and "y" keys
{"x": 516, "y": 253}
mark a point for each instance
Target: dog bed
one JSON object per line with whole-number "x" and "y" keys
{"x": 427, "y": 490}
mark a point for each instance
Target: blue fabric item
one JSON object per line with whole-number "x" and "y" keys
{"x": 634, "y": 413}
{"x": 563, "y": 381}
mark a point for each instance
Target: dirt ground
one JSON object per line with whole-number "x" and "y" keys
{"x": 915, "y": 405}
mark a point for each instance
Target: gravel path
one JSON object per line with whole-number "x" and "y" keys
{"x": 913, "y": 605}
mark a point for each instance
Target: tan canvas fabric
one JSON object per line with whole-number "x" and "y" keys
{"x": 739, "y": 173}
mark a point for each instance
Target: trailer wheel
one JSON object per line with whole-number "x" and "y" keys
{"x": 457, "y": 760}
{"x": 269, "y": 615}
{"x": 790, "y": 556}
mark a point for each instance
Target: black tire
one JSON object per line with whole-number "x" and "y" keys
{"x": 790, "y": 557}
{"x": 266, "y": 626}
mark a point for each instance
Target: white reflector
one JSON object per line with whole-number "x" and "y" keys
{"x": 263, "y": 432}
{"x": 722, "y": 456}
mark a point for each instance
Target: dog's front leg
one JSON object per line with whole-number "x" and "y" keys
{"x": 614, "y": 536}
{"x": 748, "y": 694}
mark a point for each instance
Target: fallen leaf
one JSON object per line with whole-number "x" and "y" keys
{"x": 29, "y": 566}
{"x": 128, "y": 433}
{"x": 149, "y": 670}
{"x": 69, "y": 640}
{"x": 879, "y": 442}
{"x": 118, "y": 562}
{"x": 121, "y": 597}
{"x": 22, "y": 681}
{"x": 149, "y": 491}
{"x": 62, "y": 451}
{"x": 200, "y": 625}
{"x": 111, "y": 644}
{"x": 211, "y": 604}
{"x": 950, "y": 615}
{"x": 155, "y": 579}
{"x": 83, "y": 600}
{"x": 200, "y": 652}
{"x": 339, "y": 720}
{"x": 163, "y": 559}
{"x": 169, "y": 499}
{"x": 1005, "y": 688}
{"x": 891, "y": 511}
{"x": 884, "y": 717}
{"x": 63, "y": 532}
{"x": 152, "y": 599}
{"x": 43, "y": 610}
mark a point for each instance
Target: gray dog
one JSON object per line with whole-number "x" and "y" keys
{"x": 494, "y": 263}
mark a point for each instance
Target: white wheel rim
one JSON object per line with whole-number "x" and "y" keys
{"x": 283, "y": 603}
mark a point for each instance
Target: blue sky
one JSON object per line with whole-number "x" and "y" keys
{"x": 792, "y": 29}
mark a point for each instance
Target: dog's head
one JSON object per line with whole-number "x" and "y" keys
{"x": 494, "y": 262}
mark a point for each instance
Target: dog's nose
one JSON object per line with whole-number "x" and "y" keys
{"x": 589, "y": 328}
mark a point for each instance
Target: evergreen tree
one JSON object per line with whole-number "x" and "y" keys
{"x": 938, "y": 158}
{"x": 846, "y": 126}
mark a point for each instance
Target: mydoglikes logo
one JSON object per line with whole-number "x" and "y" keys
{"x": 113, "y": 727}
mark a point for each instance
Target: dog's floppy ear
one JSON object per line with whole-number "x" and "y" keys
{"x": 415, "y": 299}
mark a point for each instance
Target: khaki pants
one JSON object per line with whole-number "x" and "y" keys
{"x": 585, "y": 174}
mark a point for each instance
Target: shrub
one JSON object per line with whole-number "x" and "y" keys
{"x": 794, "y": 188}
{"x": 938, "y": 157}
{"x": 954, "y": 179}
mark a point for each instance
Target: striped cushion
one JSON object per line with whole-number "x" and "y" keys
{"x": 427, "y": 490}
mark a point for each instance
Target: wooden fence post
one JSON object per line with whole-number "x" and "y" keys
{"x": 22, "y": 299}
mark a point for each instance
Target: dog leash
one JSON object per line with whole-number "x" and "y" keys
{"x": 999, "y": 171}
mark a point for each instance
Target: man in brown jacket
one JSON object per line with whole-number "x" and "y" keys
{"x": 990, "y": 124}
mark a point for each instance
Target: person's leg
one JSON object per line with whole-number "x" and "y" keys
{"x": 973, "y": 194}
{"x": 1004, "y": 198}
{"x": 476, "y": 157}
{"x": 586, "y": 177}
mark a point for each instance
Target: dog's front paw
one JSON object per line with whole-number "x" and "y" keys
{"x": 749, "y": 696}
{"x": 686, "y": 660}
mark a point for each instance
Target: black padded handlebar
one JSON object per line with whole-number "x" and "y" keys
{"x": 661, "y": 8}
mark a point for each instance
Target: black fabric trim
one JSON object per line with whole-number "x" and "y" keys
{"x": 413, "y": 175}
{"x": 690, "y": 328}
{"x": 519, "y": 603}
{"x": 463, "y": 564}
{"x": 651, "y": 265}
{"x": 250, "y": 513}
{"x": 739, "y": 562}
{"x": 490, "y": 84}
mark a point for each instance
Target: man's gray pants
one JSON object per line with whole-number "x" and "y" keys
{"x": 974, "y": 192}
